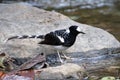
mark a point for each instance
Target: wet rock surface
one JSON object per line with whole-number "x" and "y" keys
{"x": 92, "y": 60}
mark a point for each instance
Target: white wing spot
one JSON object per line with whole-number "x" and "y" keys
{"x": 68, "y": 31}
{"x": 61, "y": 39}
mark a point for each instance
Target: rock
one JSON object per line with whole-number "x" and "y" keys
{"x": 114, "y": 69}
{"x": 108, "y": 78}
{"x": 20, "y": 19}
{"x": 92, "y": 60}
{"x": 61, "y": 72}
{"x": 16, "y": 77}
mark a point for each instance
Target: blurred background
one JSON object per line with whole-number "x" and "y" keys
{"x": 104, "y": 14}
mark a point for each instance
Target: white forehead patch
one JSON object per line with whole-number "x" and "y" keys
{"x": 61, "y": 39}
{"x": 78, "y": 29}
{"x": 68, "y": 31}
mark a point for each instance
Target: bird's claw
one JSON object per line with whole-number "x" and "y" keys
{"x": 66, "y": 57}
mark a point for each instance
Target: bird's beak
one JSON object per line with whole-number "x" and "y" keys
{"x": 82, "y": 32}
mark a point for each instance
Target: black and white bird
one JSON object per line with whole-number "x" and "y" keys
{"x": 60, "y": 40}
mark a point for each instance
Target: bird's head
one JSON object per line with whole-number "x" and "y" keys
{"x": 75, "y": 29}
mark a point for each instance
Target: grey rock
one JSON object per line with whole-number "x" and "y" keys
{"x": 16, "y": 77}
{"x": 20, "y": 19}
{"x": 61, "y": 72}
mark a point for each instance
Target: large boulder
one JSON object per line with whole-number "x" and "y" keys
{"x": 20, "y": 19}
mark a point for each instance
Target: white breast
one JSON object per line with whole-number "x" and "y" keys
{"x": 60, "y": 48}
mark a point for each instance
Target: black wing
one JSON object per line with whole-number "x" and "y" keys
{"x": 63, "y": 33}
{"x": 51, "y": 39}
{"x": 68, "y": 39}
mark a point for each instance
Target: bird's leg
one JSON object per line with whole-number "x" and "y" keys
{"x": 64, "y": 56}
{"x": 59, "y": 57}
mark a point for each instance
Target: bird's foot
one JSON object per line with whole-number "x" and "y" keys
{"x": 66, "y": 57}
{"x": 61, "y": 61}
{"x": 59, "y": 56}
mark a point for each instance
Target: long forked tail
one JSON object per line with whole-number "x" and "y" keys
{"x": 25, "y": 37}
